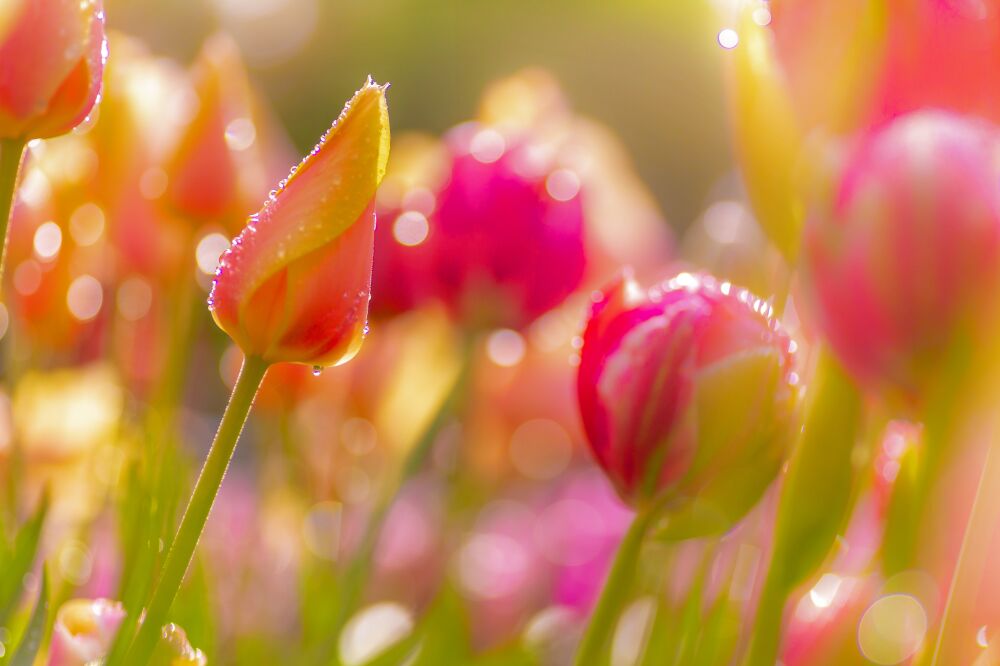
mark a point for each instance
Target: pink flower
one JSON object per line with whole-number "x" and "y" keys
{"x": 294, "y": 286}
{"x": 404, "y": 250}
{"x": 686, "y": 390}
{"x": 51, "y": 60}
{"x": 84, "y": 631}
{"x": 905, "y": 259}
{"x": 505, "y": 238}
{"x": 941, "y": 53}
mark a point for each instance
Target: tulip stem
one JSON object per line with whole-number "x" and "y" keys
{"x": 11, "y": 151}
{"x": 815, "y": 502}
{"x": 617, "y": 587}
{"x": 193, "y": 523}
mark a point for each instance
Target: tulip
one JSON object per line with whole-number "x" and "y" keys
{"x": 203, "y": 169}
{"x": 903, "y": 261}
{"x": 686, "y": 393}
{"x": 51, "y": 60}
{"x": 406, "y": 200}
{"x": 52, "y": 55}
{"x": 656, "y": 371}
{"x": 294, "y": 286}
{"x": 84, "y": 631}
{"x": 507, "y": 231}
{"x": 174, "y": 649}
{"x": 808, "y": 69}
{"x": 941, "y": 54}
{"x": 224, "y": 156}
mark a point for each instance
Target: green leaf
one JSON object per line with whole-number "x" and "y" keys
{"x": 719, "y": 635}
{"x": 31, "y": 640}
{"x": 396, "y": 654}
{"x": 21, "y": 560}
{"x": 816, "y": 498}
{"x": 445, "y": 632}
{"x": 512, "y": 655}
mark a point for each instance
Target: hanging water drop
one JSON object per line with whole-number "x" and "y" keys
{"x": 317, "y": 370}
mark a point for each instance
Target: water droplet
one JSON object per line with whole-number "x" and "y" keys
{"x": 317, "y": 371}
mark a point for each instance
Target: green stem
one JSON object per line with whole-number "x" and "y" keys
{"x": 617, "y": 589}
{"x": 355, "y": 578}
{"x": 11, "y": 151}
{"x": 193, "y": 523}
{"x": 815, "y": 500}
{"x": 765, "y": 643}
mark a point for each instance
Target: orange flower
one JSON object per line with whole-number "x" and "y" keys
{"x": 51, "y": 60}
{"x": 294, "y": 285}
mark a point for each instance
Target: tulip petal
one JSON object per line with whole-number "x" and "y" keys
{"x": 50, "y": 67}
{"x": 294, "y": 285}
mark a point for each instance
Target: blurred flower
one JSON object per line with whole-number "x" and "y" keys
{"x": 406, "y": 200}
{"x": 220, "y": 164}
{"x": 507, "y": 230}
{"x": 51, "y": 61}
{"x": 939, "y": 53}
{"x": 253, "y": 548}
{"x": 65, "y": 422}
{"x": 84, "y": 631}
{"x": 500, "y": 570}
{"x": 202, "y": 170}
{"x": 512, "y": 212}
{"x": 294, "y": 286}
{"x": 580, "y": 531}
{"x": 903, "y": 261}
{"x": 530, "y": 103}
{"x": 657, "y": 370}
{"x": 174, "y": 649}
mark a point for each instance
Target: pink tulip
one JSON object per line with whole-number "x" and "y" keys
{"x": 84, "y": 631}
{"x": 507, "y": 232}
{"x": 941, "y": 53}
{"x": 51, "y": 61}
{"x": 404, "y": 248}
{"x": 294, "y": 286}
{"x": 905, "y": 259}
{"x": 686, "y": 390}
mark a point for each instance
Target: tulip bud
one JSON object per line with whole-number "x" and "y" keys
{"x": 294, "y": 285}
{"x": 84, "y": 631}
{"x": 904, "y": 260}
{"x": 686, "y": 393}
{"x": 51, "y": 61}
{"x": 174, "y": 649}
{"x": 507, "y": 231}
{"x": 212, "y": 162}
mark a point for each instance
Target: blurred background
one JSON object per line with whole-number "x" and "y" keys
{"x": 652, "y": 70}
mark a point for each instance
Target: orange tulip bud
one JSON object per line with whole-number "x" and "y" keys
{"x": 294, "y": 285}
{"x": 51, "y": 60}
{"x": 217, "y": 168}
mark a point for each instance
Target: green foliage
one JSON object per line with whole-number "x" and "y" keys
{"x": 34, "y": 633}
{"x": 17, "y": 559}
